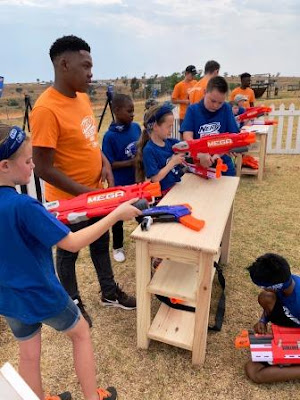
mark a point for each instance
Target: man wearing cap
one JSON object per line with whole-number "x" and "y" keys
{"x": 181, "y": 90}
{"x": 244, "y": 90}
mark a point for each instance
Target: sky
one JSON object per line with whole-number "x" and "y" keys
{"x": 133, "y": 37}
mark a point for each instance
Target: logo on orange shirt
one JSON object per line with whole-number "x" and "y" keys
{"x": 89, "y": 130}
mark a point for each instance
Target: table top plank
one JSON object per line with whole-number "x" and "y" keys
{"x": 211, "y": 200}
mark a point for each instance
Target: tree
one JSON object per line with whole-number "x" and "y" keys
{"x": 19, "y": 90}
{"x": 134, "y": 85}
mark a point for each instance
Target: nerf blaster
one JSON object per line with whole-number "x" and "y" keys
{"x": 282, "y": 346}
{"x": 253, "y": 112}
{"x": 213, "y": 144}
{"x": 264, "y": 122}
{"x": 100, "y": 202}
{"x": 179, "y": 213}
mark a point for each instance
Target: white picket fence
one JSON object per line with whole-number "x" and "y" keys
{"x": 284, "y": 138}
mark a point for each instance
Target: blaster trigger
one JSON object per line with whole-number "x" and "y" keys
{"x": 146, "y": 223}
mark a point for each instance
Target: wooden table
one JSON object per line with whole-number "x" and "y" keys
{"x": 259, "y": 149}
{"x": 187, "y": 270}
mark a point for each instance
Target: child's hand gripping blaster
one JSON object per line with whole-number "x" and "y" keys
{"x": 101, "y": 202}
{"x": 178, "y": 213}
{"x": 282, "y": 346}
{"x": 213, "y": 144}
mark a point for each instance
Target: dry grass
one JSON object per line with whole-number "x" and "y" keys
{"x": 266, "y": 219}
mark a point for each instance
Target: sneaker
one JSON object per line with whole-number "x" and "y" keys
{"x": 85, "y": 315}
{"x": 120, "y": 299}
{"x": 62, "y": 396}
{"x": 109, "y": 394}
{"x": 119, "y": 255}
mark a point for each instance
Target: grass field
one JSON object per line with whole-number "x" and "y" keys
{"x": 266, "y": 219}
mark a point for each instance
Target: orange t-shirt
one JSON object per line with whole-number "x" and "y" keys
{"x": 248, "y": 92}
{"x": 198, "y": 91}
{"x": 181, "y": 92}
{"x": 68, "y": 126}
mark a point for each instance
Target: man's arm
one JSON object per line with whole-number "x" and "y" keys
{"x": 43, "y": 159}
{"x": 107, "y": 174}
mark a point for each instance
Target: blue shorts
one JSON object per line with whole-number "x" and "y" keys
{"x": 61, "y": 322}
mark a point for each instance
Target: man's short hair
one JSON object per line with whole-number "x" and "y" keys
{"x": 245, "y": 75}
{"x": 218, "y": 83}
{"x": 120, "y": 100}
{"x": 67, "y": 43}
{"x": 211, "y": 66}
{"x": 271, "y": 268}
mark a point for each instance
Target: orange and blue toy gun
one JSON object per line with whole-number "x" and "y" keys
{"x": 281, "y": 346}
{"x": 176, "y": 213}
{"x": 253, "y": 112}
{"x": 213, "y": 144}
{"x": 101, "y": 202}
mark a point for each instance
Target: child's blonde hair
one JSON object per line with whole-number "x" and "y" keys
{"x": 149, "y": 120}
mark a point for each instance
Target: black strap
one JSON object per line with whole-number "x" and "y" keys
{"x": 221, "y": 305}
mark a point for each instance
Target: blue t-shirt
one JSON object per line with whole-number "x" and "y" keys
{"x": 29, "y": 289}
{"x": 202, "y": 122}
{"x": 119, "y": 144}
{"x": 155, "y": 158}
{"x": 291, "y": 304}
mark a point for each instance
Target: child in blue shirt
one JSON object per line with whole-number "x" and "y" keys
{"x": 212, "y": 115}
{"x": 119, "y": 146}
{"x": 280, "y": 300}
{"x": 155, "y": 157}
{"x": 30, "y": 293}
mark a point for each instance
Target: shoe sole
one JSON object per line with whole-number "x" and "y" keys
{"x": 117, "y": 305}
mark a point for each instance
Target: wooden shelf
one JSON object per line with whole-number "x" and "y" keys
{"x": 174, "y": 327}
{"x": 249, "y": 171}
{"x": 173, "y": 279}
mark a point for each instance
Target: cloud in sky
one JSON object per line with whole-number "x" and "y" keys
{"x": 154, "y": 37}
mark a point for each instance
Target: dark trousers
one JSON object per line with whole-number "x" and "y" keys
{"x": 118, "y": 235}
{"x": 99, "y": 251}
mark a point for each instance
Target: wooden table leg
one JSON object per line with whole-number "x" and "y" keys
{"x": 143, "y": 298}
{"x": 262, "y": 156}
{"x": 225, "y": 247}
{"x": 202, "y": 308}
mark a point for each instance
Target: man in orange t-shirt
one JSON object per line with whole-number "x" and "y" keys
{"x": 181, "y": 90}
{"x": 244, "y": 90}
{"x": 197, "y": 92}
{"x": 67, "y": 156}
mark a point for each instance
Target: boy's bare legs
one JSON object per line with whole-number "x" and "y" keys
{"x": 261, "y": 373}
{"x": 84, "y": 359}
{"x": 29, "y": 363}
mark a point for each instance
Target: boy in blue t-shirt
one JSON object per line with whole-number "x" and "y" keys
{"x": 30, "y": 292}
{"x": 209, "y": 117}
{"x": 280, "y": 300}
{"x": 119, "y": 145}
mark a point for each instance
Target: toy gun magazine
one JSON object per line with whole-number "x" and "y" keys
{"x": 174, "y": 213}
{"x": 212, "y": 144}
{"x": 101, "y": 202}
{"x": 282, "y": 346}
